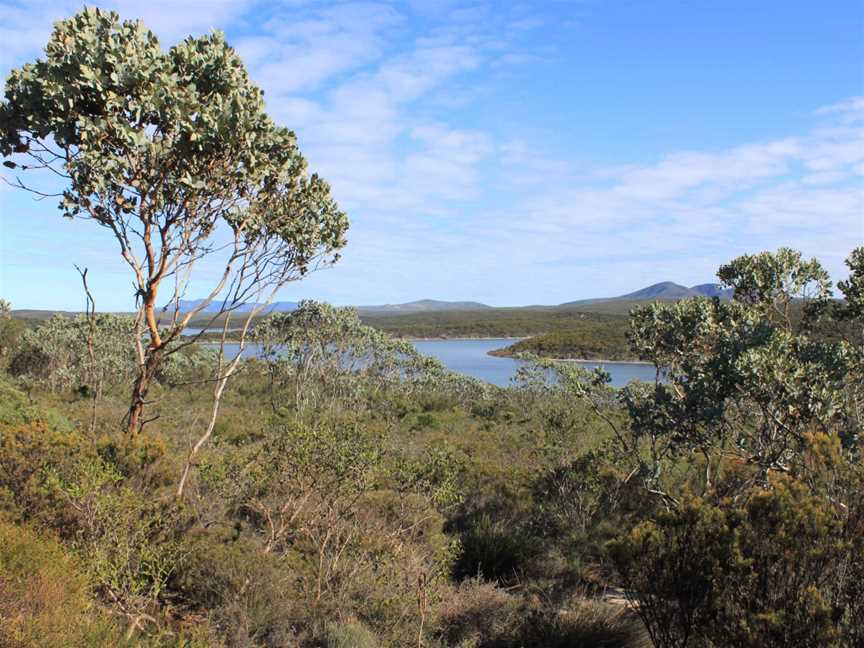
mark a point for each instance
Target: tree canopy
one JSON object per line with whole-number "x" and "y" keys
{"x": 173, "y": 153}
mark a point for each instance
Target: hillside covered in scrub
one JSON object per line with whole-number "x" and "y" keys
{"x": 586, "y": 341}
{"x": 389, "y": 501}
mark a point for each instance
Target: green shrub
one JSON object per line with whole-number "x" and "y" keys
{"x": 428, "y": 420}
{"x": 494, "y": 548}
{"x": 248, "y": 595}
{"x": 777, "y": 570}
{"x": 45, "y": 599}
{"x": 351, "y": 634}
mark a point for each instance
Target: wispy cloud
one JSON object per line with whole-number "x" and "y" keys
{"x": 454, "y": 207}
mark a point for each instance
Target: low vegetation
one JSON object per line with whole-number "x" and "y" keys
{"x": 587, "y": 340}
{"x": 495, "y": 323}
{"x": 383, "y": 501}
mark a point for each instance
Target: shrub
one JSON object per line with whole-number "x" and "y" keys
{"x": 45, "y": 597}
{"x": 495, "y": 548}
{"x": 246, "y": 594}
{"x": 777, "y": 570}
{"x": 481, "y": 615}
{"x": 582, "y": 623}
{"x": 428, "y": 420}
{"x": 55, "y": 476}
{"x": 351, "y": 634}
{"x": 356, "y": 526}
{"x": 477, "y": 613}
{"x": 57, "y": 353}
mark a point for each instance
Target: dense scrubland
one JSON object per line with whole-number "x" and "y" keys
{"x": 341, "y": 489}
{"x": 375, "y": 499}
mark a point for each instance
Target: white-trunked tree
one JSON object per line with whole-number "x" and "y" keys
{"x": 173, "y": 153}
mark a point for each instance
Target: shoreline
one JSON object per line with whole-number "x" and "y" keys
{"x": 408, "y": 339}
{"x": 579, "y": 360}
{"x": 600, "y": 362}
{"x": 451, "y": 338}
{"x": 489, "y": 353}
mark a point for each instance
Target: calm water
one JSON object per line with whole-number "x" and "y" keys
{"x": 471, "y": 357}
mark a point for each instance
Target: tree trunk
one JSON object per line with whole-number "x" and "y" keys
{"x": 139, "y": 390}
{"x": 151, "y": 362}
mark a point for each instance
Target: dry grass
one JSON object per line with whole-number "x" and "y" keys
{"x": 482, "y": 615}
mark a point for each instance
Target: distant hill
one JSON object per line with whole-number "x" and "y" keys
{"x": 663, "y": 291}
{"x": 420, "y": 306}
{"x": 423, "y": 306}
{"x": 620, "y": 305}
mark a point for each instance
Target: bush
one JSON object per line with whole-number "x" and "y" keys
{"x": 245, "y": 593}
{"x": 497, "y": 549}
{"x": 355, "y": 525}
{"x": 583, "y": 623}
{"x": 777, "y": 570}
{"x": 477, "y": 613}
{"x": 45, "y": 597}
{"x": 481, "y": 615}
{"x": 428, "y": 420}
{"x": 54, "y": 476}
{"x": 350, "y": 635}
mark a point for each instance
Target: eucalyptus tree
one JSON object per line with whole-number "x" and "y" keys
{"x": 173, "y": 154}
{"x": 745, "y": 380}
{"x": 751, "y": 440}
{"x": 742, "y": 379}
{"x": 319, "y": 351}
{"x": 58, "y": 356}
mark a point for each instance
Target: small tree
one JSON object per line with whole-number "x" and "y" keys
{"x": 757, "y": 409}
{"x": 173, "y": 154}
{"x": 57, "y": 354}
{"x": 746, "y": 379}
{"x": 329, "y": 356}
{"x": 10, "y": 329}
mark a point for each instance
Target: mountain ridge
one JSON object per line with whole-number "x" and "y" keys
{"x": 663, "y": 291}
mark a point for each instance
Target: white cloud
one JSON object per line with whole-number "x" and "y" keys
{"x": 440, "y": 208}
{"x": 304, "y": 49}
{"x": 25, "y": 25}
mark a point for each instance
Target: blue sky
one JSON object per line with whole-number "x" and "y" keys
{"x": 517, "y": 153}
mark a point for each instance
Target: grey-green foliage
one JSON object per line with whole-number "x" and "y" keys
{"x": 742, "y": 379}
{"x": 187, "y": 364}
{"x": 175, "y": 138}
{"x": 745, "y": 378}
{"x": 56, "y": 354}
{"x": 853, "y": 288}
{"x": 770, "y": 283}
{"x": 320, "y": 351}
{"x": 163, "y": 149}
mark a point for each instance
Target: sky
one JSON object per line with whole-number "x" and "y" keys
{"x": 516, "y": 153}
